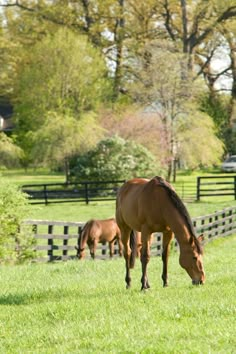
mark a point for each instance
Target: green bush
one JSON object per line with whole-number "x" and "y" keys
{"x": 114, "y": 159}
{"x": 15, "y": 240}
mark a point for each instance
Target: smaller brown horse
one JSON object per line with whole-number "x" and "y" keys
{"x": 99, "y": 231}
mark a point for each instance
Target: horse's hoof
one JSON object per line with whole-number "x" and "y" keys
{"x": 145, "y": 288}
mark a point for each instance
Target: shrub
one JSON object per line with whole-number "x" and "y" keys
{"x": 115, "y": 159}
{"x": 15, "y": 241}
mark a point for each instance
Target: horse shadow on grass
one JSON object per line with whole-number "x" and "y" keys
{"x": 19, "y": 299}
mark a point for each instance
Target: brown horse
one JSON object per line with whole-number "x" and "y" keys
{"x": 153, "y": 206}
{"x": 99, "y": 231}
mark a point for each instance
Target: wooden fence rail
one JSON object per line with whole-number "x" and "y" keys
{"x": 72, "y": 192}
{"x": 212, "y": 186}
{"x": 56, "y": 240}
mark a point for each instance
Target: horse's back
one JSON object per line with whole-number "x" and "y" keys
{"x": 109, "y": 229}
{"x": 142, "y": 202}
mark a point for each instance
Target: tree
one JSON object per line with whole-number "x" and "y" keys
{"x": 65, "y": 75}
{"x": 62, "y": 137}
{"x": 136, "y": 124}
{"x": 172, "y": 97}
{"x": 10, "y": 153}
{"x": 8, "y": 64}
{"x": 15, "y": 242}
{"x": 197, "y": 144}
{"x": 114, "y": 159}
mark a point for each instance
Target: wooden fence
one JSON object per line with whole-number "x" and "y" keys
{"x": 213, "y": 186}
{"x": 56, "y": 240}
{"x": 71, "y": 192}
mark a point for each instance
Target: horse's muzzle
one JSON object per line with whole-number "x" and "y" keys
{"x": 197, "y": 282}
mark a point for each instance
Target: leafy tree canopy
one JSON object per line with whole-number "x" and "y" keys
{"x": 15, "y": 243}
{"x": 61, "y": 137}
{"x": 9, "y": 152}
{"x": 64, "y": 74}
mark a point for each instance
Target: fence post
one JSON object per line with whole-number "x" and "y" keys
{"x": 50, "y": 242}
{"x": 86, "y": 193}
{"x": 230, "y": 220}
{"x": 65, "y": 240}
{"x": 234, "y": 187}
{"x": 198, "y": 188}
{"x": 104, "y": 248}
{"x": 216, "y": 225}
{"x": 223, "y": 224}
{"x": 210, "y": 228}
{"x": 79, "y": 233}
{"x": 45, "y": 194}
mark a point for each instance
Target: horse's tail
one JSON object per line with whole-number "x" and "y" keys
{"x": 133, "y": 246}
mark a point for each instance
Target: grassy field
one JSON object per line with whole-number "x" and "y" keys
{"x": 83, "y": 307}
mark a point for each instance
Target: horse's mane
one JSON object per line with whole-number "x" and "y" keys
{"x": 84, "y": 233}
{"x": 182, "y": 209}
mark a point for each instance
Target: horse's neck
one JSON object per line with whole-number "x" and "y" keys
{"x": 84, "y": 235}
{"x": 182, "y": 235}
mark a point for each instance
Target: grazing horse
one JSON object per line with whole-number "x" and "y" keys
{"x": 99, "y": 231}
{"x": 153, "y": 206}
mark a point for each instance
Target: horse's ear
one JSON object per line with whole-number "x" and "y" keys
{"x": 201, "y": 238}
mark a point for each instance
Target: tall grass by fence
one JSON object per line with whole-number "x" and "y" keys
{"x": 56, "y": 240}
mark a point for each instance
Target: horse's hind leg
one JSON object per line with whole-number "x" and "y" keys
{"x": 167, "y": 238}
{"x": 125, "y": 237}
{"x": 145, "y": 257}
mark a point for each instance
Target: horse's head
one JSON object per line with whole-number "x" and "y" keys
{"x": 191, "y": 261}
{"x": 80, "y": 252}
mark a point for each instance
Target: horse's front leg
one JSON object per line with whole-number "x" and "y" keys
{"x": 92, "y": 248}
{"x": 111, "y": 248}
{"x": 167, "y": 238}
{"x": 125, "y": 237}
{"x": 145, "y": 257}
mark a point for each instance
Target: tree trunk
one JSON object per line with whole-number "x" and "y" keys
{"x": 119, "y": 50}
{"x": 67, "y": 170}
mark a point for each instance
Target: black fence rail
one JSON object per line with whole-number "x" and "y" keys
{"x": 72, "y": 192}
{"x": 56, "y": 240}
{"x": 186, "y": 190}
{"x": 213, "y": 186}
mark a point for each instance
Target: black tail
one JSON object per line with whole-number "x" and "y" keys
{"x": 133, "y": 246}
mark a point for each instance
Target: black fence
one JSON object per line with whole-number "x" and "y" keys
{"x": 213, "y": 186}
{"x": 72, "y": 192}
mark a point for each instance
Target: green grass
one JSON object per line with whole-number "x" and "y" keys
{"x": 103, "y": 210}
{"x": 83, "y": 307}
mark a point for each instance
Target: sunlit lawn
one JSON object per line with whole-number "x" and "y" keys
{"x": 83, "y": 307}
